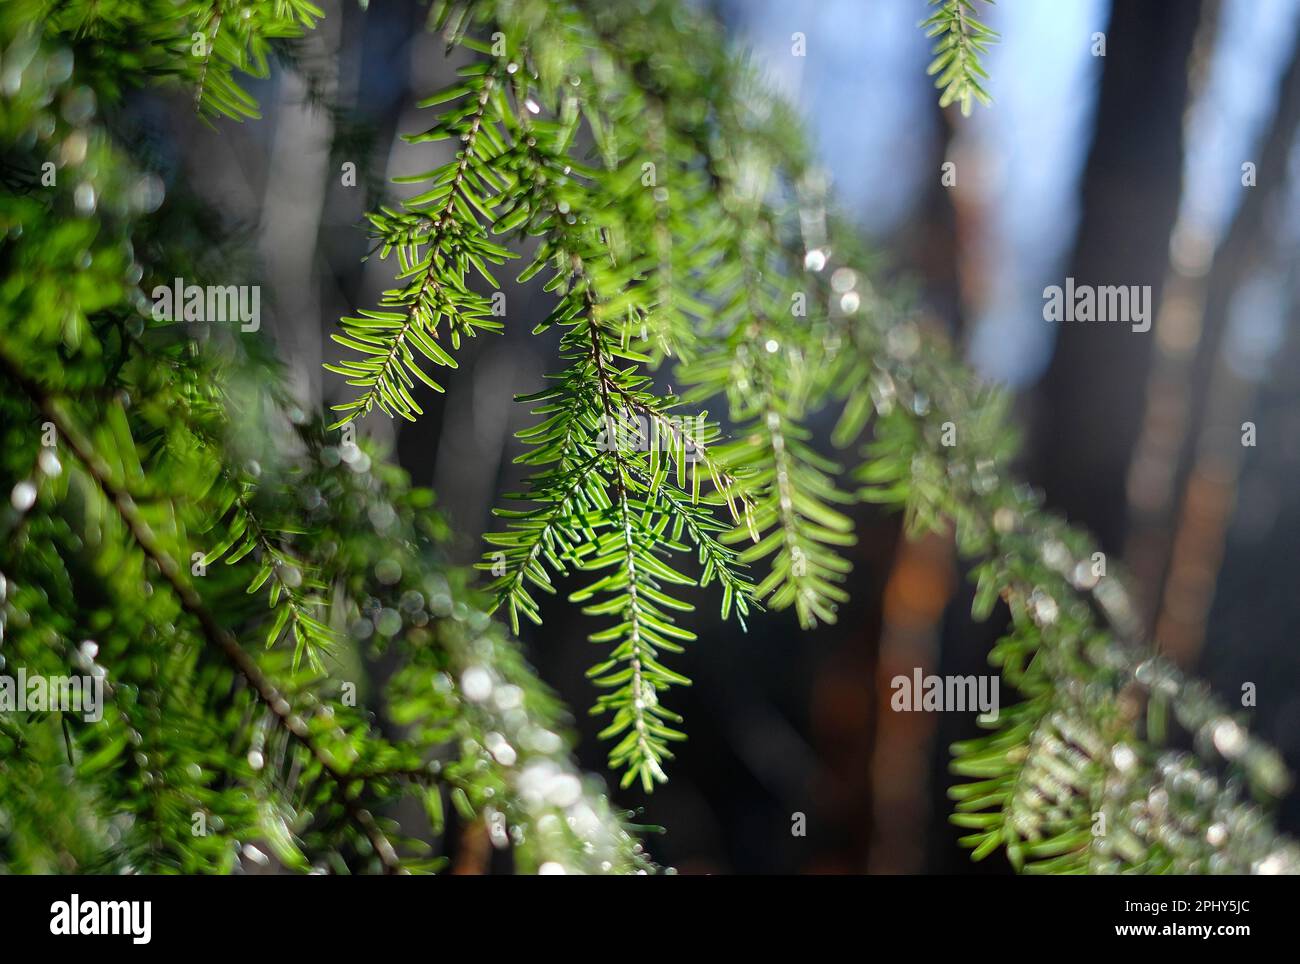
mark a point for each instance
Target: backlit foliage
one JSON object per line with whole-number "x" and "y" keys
{"x": 226, "y": 582}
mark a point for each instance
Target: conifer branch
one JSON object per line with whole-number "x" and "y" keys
{"x": 962, "y": 41}
{"x": 452, "y": 238}
{"x": 750, "y": 352}
{"x": 215, "y": 634}
{"x": 290, "y": 580}
{"x": 196, "y": 723}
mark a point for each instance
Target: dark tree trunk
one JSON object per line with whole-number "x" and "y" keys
{"x": 1247, "y": 244}
{"x": 1093, "y": 394}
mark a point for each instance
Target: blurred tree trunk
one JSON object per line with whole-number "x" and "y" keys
{"x": 906, "y": 615}
{"x": 926, "y": 244}
{"x": 1092, "y": 396}
{"x": 1248, "y": 245}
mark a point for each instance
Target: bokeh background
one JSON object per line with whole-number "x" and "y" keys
{"x": 1122, "y": 168}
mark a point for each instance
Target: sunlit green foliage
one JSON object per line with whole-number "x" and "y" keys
{"x": 225, "y": 583}
{"x": 174, "y": 525}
